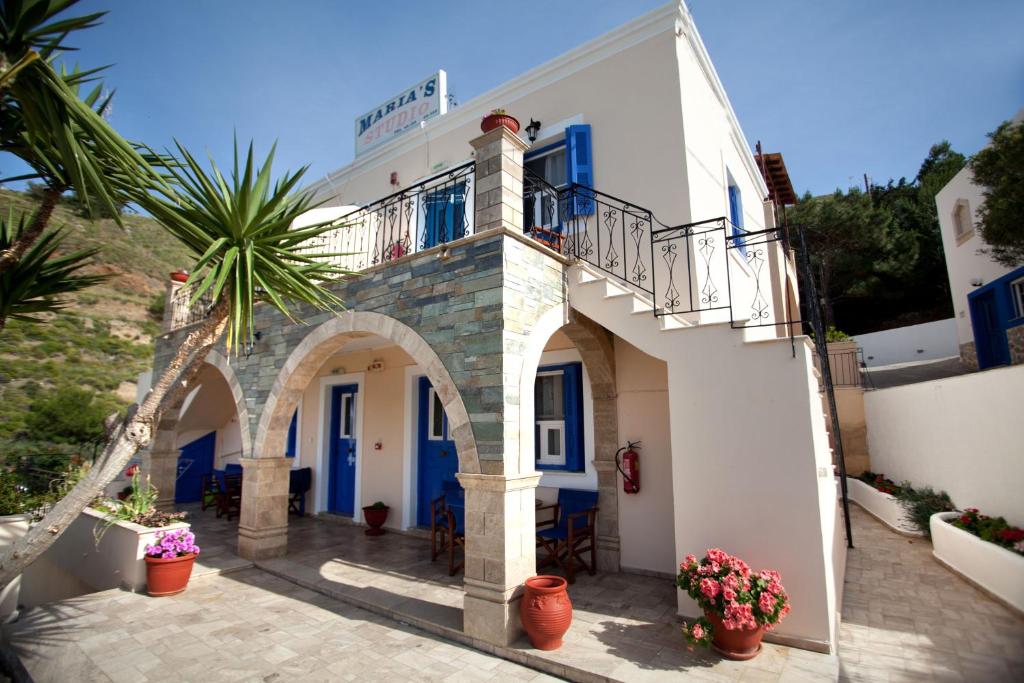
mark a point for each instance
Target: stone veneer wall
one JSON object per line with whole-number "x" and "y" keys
{"x": 969, "y": 356}
{"x": 1015, "y": 338}
{"x": 468, "y": 306}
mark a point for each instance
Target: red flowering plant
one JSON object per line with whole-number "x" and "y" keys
{"x": 992, "y": 529}
{"x": 881, "y": 483}
{"x": 723, "y": 585}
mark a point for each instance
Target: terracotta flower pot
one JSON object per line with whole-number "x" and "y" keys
{"x": 168, "y": 576}
{"x": 546, "y": 611}
{"x": 375, "y": 517}
{"x": 179, "y": 276}
{"x": 492, "y": 121}
{"x": 738, "y": 644}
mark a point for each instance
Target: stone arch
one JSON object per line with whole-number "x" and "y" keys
{"x": 162, "y": 458}
{"x": 595, "y": 346}
{"x": 325, "y": 340}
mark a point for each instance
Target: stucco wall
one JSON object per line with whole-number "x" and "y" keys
{"x": 937, "y": 339}
{"x": 960, "y": 434}
{"x": 646, "y": 524}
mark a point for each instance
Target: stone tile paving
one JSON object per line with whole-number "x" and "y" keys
{"x": 907, "y": 618}
{"x": 242, "y": 626}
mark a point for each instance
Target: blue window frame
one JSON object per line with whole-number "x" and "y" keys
{"x": 579, "y": 167}
{"x": 291, "y": 447}
{"x": 993, "y": 312}
{"x": 736, "y": 215}
{"x": 558, "y": 417}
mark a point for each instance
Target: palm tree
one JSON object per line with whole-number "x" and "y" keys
{"x": 36, "y": 281}
{"x": 43, "y": 121}
{"x": 239, "y": 231}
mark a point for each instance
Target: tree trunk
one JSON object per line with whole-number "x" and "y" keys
{"x": 134, "y": 433}
{"x": 26, "y": 239}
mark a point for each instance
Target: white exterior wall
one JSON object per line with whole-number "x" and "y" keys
{"x": 937, "y": 339}
{"x": 960, "y": 434}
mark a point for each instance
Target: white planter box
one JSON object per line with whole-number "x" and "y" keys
{"x": 882, "y": 505}
{"x": 996, "y": 570}
{"x": 116, "y": 562}
{"x": 12, "y": 528}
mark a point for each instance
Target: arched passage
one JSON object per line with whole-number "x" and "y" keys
{"x": 596, "y": 350}
{"x": 161, "y": 461}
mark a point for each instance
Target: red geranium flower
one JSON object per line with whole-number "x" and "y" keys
{"x": 130, "y": 472}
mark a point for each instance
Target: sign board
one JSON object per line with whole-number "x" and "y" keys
{"x": 401, "y": 113}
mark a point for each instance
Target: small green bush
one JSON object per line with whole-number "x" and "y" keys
{"x": 922, "y": 503}
{"x": 157, "y": 305}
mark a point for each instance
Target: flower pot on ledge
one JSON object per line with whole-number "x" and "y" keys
{"x": 497, "y": 120}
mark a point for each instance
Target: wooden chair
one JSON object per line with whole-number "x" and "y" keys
{"x": 438, "y": 527}
{"x": 456, "y": 515}
{"x": 571, "y": 532}
{"x": 229, "y": 501}
{"x": 299, "y": 483}
{"x": 210, "y": 489}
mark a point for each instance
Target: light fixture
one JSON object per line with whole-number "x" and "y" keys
{"x": 250, "y": 345}
{"x": 532, "y": 130}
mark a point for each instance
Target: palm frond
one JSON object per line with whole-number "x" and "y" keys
{"x": 39, "y": 281}
{"x": 239, "y": 229}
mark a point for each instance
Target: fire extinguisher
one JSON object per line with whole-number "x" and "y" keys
{"x": 629, "y": 466}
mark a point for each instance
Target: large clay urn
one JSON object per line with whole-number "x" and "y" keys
{"x": 546, "y": 611}
{"x": 739, "y": 643}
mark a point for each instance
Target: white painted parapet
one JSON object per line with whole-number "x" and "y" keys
{"x": 883, "y": 506}
{"x": 12, "y": 528}
{"x": 994, "y": 569}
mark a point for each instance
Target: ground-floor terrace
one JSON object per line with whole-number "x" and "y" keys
{"x": 344, "y": 606}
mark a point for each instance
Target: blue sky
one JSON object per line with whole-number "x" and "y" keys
{"x": 842, "y": 88}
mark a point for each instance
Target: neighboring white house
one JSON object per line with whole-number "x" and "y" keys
{"x": 529, "y": 304}
{"x": 988, "y": 298}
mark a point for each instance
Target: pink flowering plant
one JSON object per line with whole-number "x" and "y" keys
{"x": 725, "y": 586}
{"x": 171, "y": 544}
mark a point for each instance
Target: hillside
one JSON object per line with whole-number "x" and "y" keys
{"x": 104, "y": 339}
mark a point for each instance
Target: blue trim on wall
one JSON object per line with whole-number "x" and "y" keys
{"x": 533, "y": 153}
{"x": 293, "y": 428}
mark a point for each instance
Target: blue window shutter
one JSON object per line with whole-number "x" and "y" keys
{"x": 293, "y": 429}
{"x": 572, "y": 385}
{"x": 736, "y": 215}
{"x": 579, "y": 166}
{"x": 445, "y": 215}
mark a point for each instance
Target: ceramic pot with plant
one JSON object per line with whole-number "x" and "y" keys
{"x": 169, "y": 562}
{"x": 739, "y": 605}
{"x": 498, "y": 118}
{"x": 546, "y": 611}
{"x": 375, "y": 516}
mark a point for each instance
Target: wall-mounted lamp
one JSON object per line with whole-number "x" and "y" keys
{"x": 532, "y": 130}
{"x": 250, "y": 345}
{"x": 977, "y": 282}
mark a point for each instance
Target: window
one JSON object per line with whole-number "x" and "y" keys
{"x": 436, "y": 420}
{"x": 558, "y": 416}
{"x": 736, "y": 215}
{"x": 1017, "y": 296}
{"x": 348, "y": 405}
{"x": 445, "y": 215}
{"x": 962, "y": 224}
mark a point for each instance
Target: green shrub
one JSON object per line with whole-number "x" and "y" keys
{"x": 156, "y": 306}
{"x": 922, "y": 503}
{"x": 68, "y": 415}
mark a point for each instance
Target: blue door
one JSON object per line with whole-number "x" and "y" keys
{"x": 438, "y": 461}
{"x": 989, "y": 336}
{"x": 445, "y": 218}
{"x": 195, "y": 460}
{"x": 341, "y": 487}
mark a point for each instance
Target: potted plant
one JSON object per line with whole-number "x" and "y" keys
{"x": 546, "y": 611}
{"x": 169, "y": 562}
{"x": 376, "y": 515}
{"x": 498, "y": 118}
{"x": 739, "y": 605}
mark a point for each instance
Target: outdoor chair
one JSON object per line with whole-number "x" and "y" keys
{"x": 570, "y": 533}
{"x": 456, "y": 518}
{"x": 210, "y": 489}
{"x": 438, "y": 527}
{"x": 299, "y": 482}
{"x": 229, "y": 499}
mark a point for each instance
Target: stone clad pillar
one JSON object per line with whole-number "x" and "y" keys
{"x": 263, "y": 521}
{"x": 500, "y": 553}
{"x": 499, "y": 180}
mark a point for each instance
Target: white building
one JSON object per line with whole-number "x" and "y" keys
{"x": 528, "y": 305}
{"x": 988, "y": 298}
